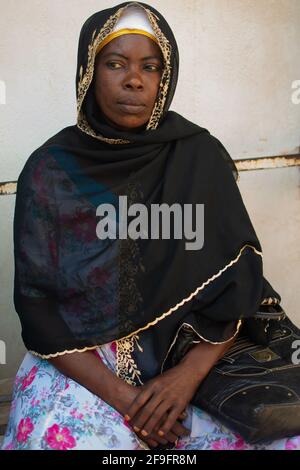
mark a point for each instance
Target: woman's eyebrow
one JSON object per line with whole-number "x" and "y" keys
{"x": 126, "y": 58}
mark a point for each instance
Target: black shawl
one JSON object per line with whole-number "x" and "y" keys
{"x": 74, "y": 291}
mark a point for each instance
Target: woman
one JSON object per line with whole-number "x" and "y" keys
{"x": 100, "y": 315}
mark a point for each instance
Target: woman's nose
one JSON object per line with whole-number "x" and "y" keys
{"x": 133, "y": 80}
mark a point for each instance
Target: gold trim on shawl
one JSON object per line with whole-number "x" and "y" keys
{"x": 62, "y": 353}
{"x": 193, "y": 294}
{"x": 238, "y": 326}
{"x": 164, "y": 315}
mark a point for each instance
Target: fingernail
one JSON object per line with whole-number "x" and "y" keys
{"x": 144, "y": 433}
{"x": 161, "y": 433}
{"x": 127, "y": 418}
{"x": 136, "y": 429}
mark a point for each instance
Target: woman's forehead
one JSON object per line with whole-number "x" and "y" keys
{"x": 129, "y": 45}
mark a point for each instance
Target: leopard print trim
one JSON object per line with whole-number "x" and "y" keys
{"x": 270, "y": 301}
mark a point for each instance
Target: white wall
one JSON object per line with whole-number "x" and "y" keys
{"x": 238, "y": 61}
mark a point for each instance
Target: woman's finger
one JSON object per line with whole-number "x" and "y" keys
{"x": 160, "y": 440}
{"x": 139, "y": 401}
{"x": 170, "y": 436}
{"x": 151, "y": 443}
{"x": 182, "y": 415}
{"x": 153, "y": 437}
{"x": 180, "y": 430}
{"x": 149, "y": 412}
{"x": 169, "y": 423}
{"x": 177, "y": 431}
{"x": 155, "y": 418}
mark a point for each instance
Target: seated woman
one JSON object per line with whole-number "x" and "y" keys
{"x": 99, "y": 313}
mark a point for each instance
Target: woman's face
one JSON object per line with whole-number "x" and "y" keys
{"x": 127, "y": 77}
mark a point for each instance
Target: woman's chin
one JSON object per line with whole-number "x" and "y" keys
{"x": 130, "y": 124}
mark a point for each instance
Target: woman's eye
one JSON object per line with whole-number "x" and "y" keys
{"x": 152, "y": 67}
{"x": 114, "y": 65}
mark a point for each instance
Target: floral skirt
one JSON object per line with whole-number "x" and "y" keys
{"x": 51, "y": 411}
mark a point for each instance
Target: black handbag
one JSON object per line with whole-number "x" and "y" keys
{"x": 254, "y": 389}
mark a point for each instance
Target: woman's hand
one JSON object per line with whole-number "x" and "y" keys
{"x": 160, "y": 402}
{"x": 122, "y": 404}
{"x": 154, "y": 439}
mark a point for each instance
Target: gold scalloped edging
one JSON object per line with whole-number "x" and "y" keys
{"x": 62, "y": 353}
{"x": 193, "y": 294}
{"x": 127, "y": 342}
{"x": 238, "y": 326}
{"x": 164, "y": 315}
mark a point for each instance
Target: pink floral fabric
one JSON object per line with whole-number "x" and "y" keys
{"x": 52, "y": 412}
{"x": 60, "y": 438}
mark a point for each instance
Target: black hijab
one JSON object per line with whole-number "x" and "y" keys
{"x": 74, "y": 291}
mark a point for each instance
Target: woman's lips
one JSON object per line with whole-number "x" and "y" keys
{"x": 131, "y": 108}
